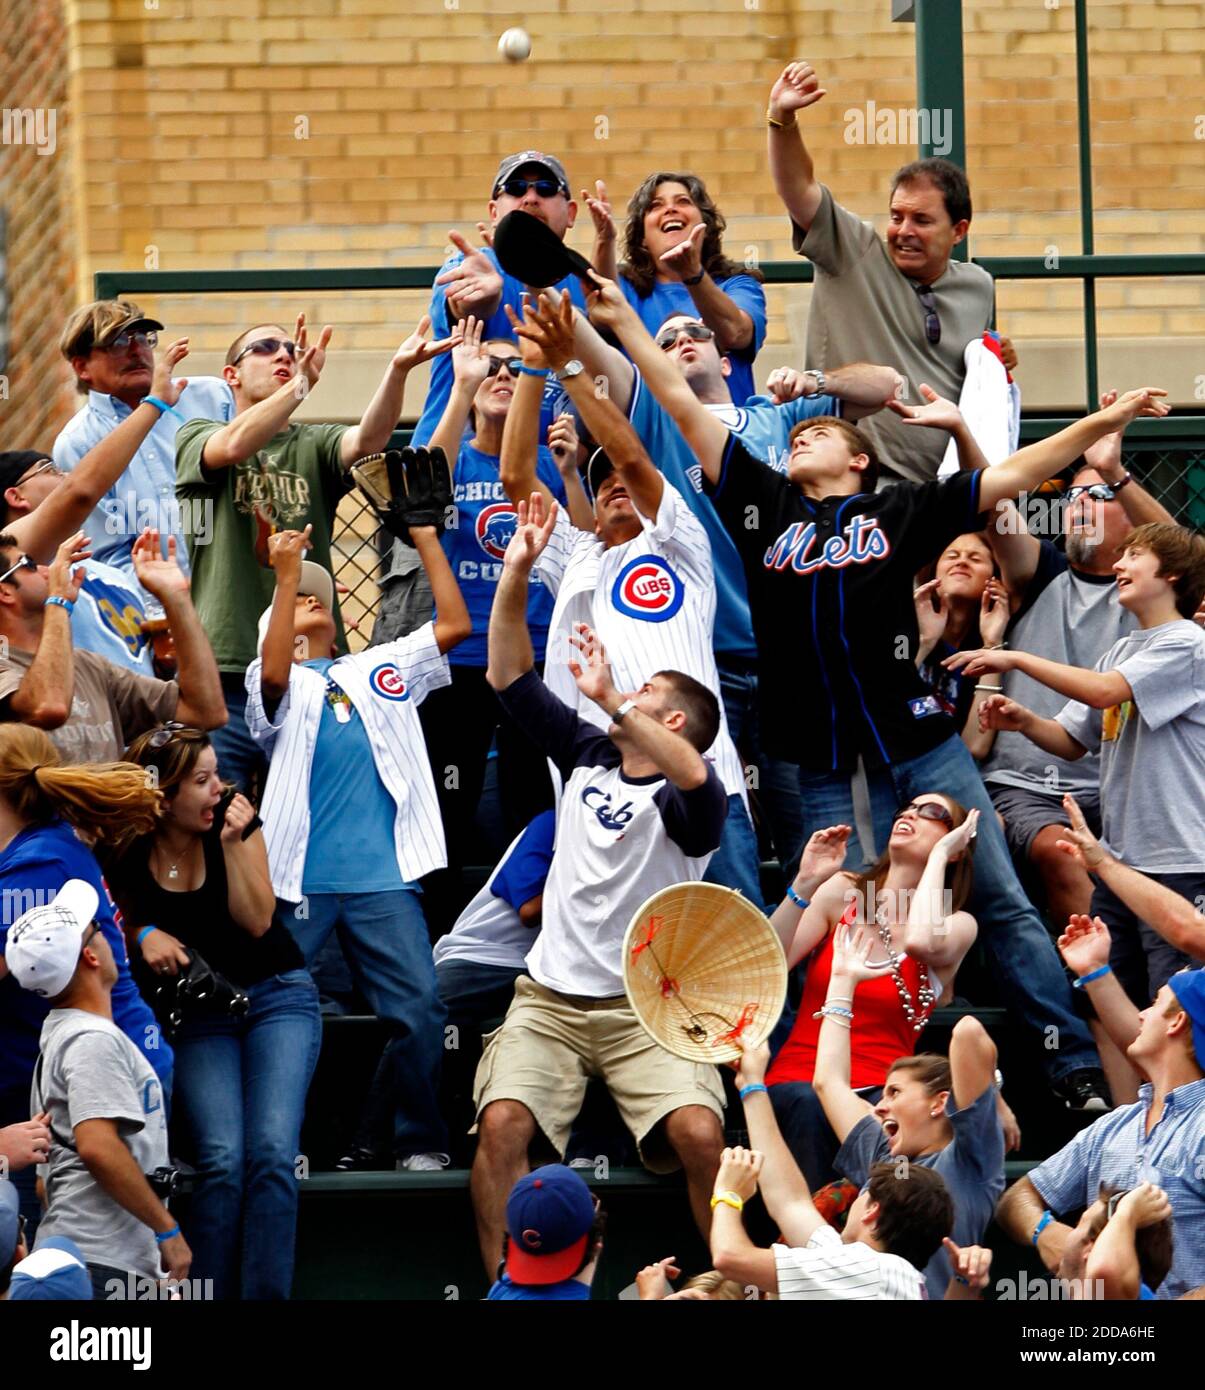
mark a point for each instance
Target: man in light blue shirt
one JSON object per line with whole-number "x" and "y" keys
{"x": 110, "y": 345}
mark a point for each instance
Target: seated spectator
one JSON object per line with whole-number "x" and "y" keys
{"x": 553, "y": 1238}
{"x": 928, "y": 855}
{"x": 472, "y": 283}
{"x": 890, "y": 1234}
{"x": 641, "y": 810}
{"x": 963, "y": 605}
{"x": 653, "y": 1284}
{"x": 42, "y": 805}
{"x": 1144, "y": 707}
{"x": 199, "y": 883}
{"x": 639, "y": 525}
{"x": 108, "y": 1113}
{"x": 674, "y": 266}
{"x": 1122, "y": 1246}
{"x": 111, "y": 345}
{"x": 54, "y": 1273}
{"x": 90, "y": 706}
{"x": 1158, "y": 1139}
{"x": 13, "y": 1248}
{"x": 936, "y": 1112}
{"x": 260, "y": 472}
{"x": 350, "y": 813}
{"x": 461, "y": 722}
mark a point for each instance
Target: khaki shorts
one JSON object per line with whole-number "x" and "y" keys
{"x": 548, "y": 1048}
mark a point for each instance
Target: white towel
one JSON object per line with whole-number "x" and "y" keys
{"x": 990, "y": 404}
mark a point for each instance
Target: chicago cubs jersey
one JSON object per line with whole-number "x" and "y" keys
{"x": 652, "y": 602}
{"x": 475, "y": 546}
{"x": 618, "y": 840}
{"x": 386, "y": 684}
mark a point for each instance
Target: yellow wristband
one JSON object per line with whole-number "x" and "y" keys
{"x": 729, "y": 1199}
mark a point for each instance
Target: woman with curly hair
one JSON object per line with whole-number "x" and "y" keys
{"x": 49, "y": 815}
{"x": 675, "y": 268}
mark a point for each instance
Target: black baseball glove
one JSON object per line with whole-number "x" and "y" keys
{"x": 407, "y": 487}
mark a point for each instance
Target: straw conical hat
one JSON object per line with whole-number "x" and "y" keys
{"x": 703, "y": 968}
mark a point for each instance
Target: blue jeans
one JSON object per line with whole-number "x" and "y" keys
{"x": 240, "y": 758}
{"x": 1021, "y": 953}
{"x": 736, "y": 864}
{"x": 385, "y": 943}
{"x": 806, "y": 1131}
{"x": 240, "y": 1088}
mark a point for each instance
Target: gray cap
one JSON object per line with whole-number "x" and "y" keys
{"x": 514, "y": 162}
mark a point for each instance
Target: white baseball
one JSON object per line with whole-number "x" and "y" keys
{"x": 515, "y": 45}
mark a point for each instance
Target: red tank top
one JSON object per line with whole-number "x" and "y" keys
{"x": 881, "y": 1032}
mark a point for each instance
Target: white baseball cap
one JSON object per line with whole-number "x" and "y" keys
{"x": 316, "y": 580}
{"x": 44, "y": 943}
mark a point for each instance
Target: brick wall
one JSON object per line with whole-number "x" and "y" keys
{"x": 36, "y": 203}
{"x": 262, "y": 133}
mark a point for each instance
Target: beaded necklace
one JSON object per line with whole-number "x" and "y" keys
{"x": 917, "y": 1012}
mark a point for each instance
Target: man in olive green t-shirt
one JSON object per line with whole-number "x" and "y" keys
{"x": 262, "y": 472}
{"x": 901, "y": 300}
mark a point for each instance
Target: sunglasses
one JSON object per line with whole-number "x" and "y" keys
{"x": 516, "y": 187}
{"x": 92, "y": 932}
{"x": 698, "y": 332}
{"x": 512, "y": 365}
{"x": 929, "y": 305}
{"x": 1098, "y": 492}
{"x": 24, "y": 563}
{"x": 267, "y": 347}
{"x": 46, "y": 466}
{"x": 928, "y": 810}
{"x": 169, "y": 731}
{"x": 144, "y": 337}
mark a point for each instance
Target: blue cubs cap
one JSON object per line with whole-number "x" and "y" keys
{"x": 55, "y": 1271}
{"x": 1189, "y": 988}
{"x": 548, "y": 1217}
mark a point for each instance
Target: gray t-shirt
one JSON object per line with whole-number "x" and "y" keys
{"x": 1152, "y": 749}
{"x": 864, "y": 310}
{"x": 1071, "y": 618}
{"x": 972, "y": 1165}
{"x": 91, "y": 1071}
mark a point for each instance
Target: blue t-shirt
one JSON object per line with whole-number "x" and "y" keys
{"x": 34, "y": 866}
{"x": 542, "y": 1293}
{"x": 352, "y": 813}
{"x": 761, "y": 427}
{"x": 485, "y": 522}
{"x": 674, "y": 298}
{"x": 765, "y": 427}
{"x": 439, "y": 387}
{"x": 108, "y": 618}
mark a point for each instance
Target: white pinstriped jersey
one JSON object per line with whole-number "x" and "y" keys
{"x": 385, "y": 684}
{"x": 827, "y": 1269}
{"x": 651, "y": 601}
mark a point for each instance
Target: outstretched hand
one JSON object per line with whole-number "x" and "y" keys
{"x": 593, "y": 672}
{"x": 533, "y": 531}
{"x": 797, "y": 87}
{"x": 937, "y": 414}
{"x": 1079, "y": 841}
{"x": 851, "y": 949}
{"x": 1085, "y": 945}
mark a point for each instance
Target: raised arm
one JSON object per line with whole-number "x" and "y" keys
{"x": 603, "y": 257}
{"x": 474, "y": 285}
{"x": 1114, "y": 1256}
{"x": 510, "y": 651}
{"x": 812, "y": 904}
{"x": 286, "y": 550}
{"x": 1096, "y": 689}
{"x": 733, "y": 326}
{"x": 1084, "y": 947}
{"x": 842, "y": 1104}
{"x": 452, "y": 621}
{"x": 470, "y": 367}
{"x": 1105, "y": 456}
{"x": 973, "y": 1059}
{"x": 1016, "y": 551}
{"x": 1004, "y": 715}
{"x": 517, "y": 464}
{"x": 941, "y": 414}
{"x": 249, "y": 893}
{"x": 790, "y": 163}
{"x": 566, "y": 450}
{"x": 47, "y": 689}
{"x": 932, "y": 935}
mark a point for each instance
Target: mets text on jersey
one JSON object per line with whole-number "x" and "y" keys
{"x": 863, "y": 540}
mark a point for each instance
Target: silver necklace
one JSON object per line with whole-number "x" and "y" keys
{"x": 915, "y": 1011}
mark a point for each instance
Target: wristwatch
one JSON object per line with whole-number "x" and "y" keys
{"x": 571, "y": 368}
{"x": 618, "y": 716}
{"x": 820, "y": 381}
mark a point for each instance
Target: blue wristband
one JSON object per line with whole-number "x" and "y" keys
{"x": 142, "y": 934}
{"x": 1047, "y": 1218}
{"x": 534, "y": 371}
{"x": 752, "y": 1089}
{"x": 60, "y": 603}
{"x": 1090, "y": 976}
{"x": 161, "y": 406}
{"x": 167, "y": 1235}
{"x": 794, "y": 897}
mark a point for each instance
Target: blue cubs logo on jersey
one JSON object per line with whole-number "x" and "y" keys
{"x": 495, "y": 527}
{"x": 387, "y": 682}
{"x": 648, "y": 589}
{"x": 609, "y": 817}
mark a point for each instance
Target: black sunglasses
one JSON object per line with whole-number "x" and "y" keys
{"x": 267, "y": 347}
{"x": 516, "y": 187}
{"x": 24, "y": 563}
{"x": 929, "y": 305}
{"x": 1098, "y": 492}
{"x": 699, "y": 332}
{"x": 512, "y": 365}
{"x": 169, "y": 731}
{"x": 91, "y": 934}
{"x": 147, "y": 337}
{"x": 928, "y": 810}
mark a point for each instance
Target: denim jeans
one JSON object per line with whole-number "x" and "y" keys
{"x": 240, "y": 758}
{"x": 806, "y": 1131}
{"x": 1021, "y": 954}
{"x": 240, "y": 1089}
{"x": 385, "y": 944}
{"x": 735, "y": 864}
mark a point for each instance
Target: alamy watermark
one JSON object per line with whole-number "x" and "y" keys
{"x": 874, "y": 125}
{"x": 25, "y": 125}
{"x": 187, "y": 516}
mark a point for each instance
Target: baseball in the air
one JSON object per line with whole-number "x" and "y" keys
{"x": 515, "y": 45}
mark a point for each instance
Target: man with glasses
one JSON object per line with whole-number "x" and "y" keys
{"x": 472, "y": 283}
{"x": 111, "y": 347}
{"x": 264, "y": 472}
{"x": 901, "y": 300}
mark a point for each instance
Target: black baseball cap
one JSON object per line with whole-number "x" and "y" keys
{"x": 15, "y": 463}
{"x": 598, "y": 468}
